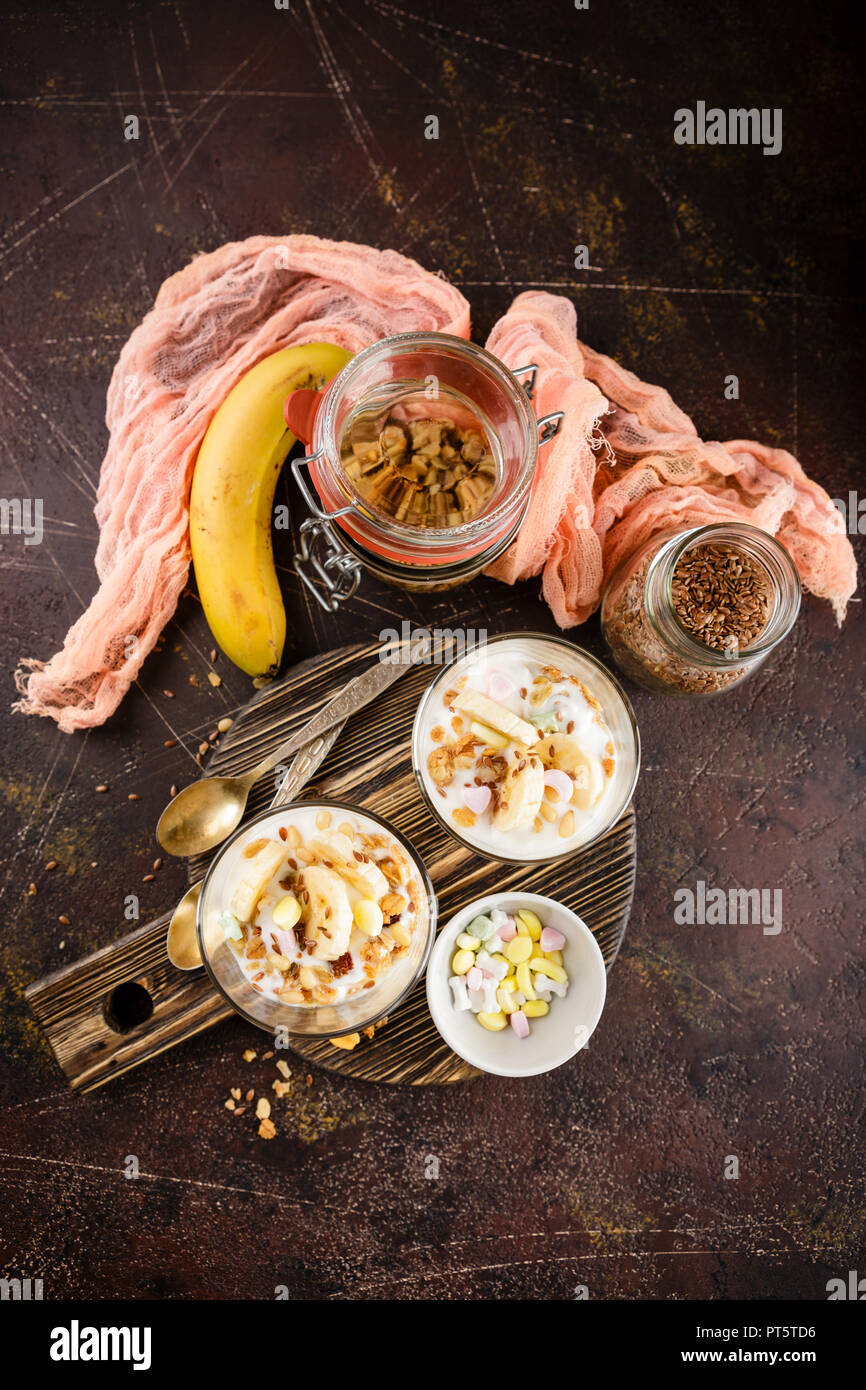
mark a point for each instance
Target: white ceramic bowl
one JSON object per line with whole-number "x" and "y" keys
{"x": 556, "y": 1037}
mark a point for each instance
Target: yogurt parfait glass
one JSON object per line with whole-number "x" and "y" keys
{"x": 526, "y": 749}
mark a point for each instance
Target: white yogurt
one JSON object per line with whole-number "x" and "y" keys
{"x": 511, "y": 673}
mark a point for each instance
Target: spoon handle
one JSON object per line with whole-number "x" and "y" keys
{"x": 394, "y": 660}
{"x": 304, "y": 764}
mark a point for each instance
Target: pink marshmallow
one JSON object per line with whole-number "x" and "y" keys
{"x": 499, "y": 687}
{"x": 520, "y": 1023}
{"x": 474, "y": 978}
{"x": 551, "y": 939}
{"x": 477, "y": 799}
{"x": 488, "y": 974}
{"x": 560, "y": 782}
{"x": 508, "y": 931}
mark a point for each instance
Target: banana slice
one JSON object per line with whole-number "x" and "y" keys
{"x": 490, "y": 712}
{"x": 570, "y": 756}
{"x": 492, "y": 738}
{"x": 259, "y": 869}
{"x": 521, "y": 791}
{"x": 329, "y": 913}
{"x": 367, "y": 877}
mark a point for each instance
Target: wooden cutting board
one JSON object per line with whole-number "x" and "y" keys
{"x": 126, "y": 1003}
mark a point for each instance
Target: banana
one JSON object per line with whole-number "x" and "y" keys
{"x": 521, "y": 791}
{"x": 231, "y": 502}
{"x": 328, "y": 918}
{"x": 364, "y": 875}
{"x": 261, "y": 867}
{"x": 492, "y": 738}
{"x": 570, "y": 756}
{"x": 490, "y": 712}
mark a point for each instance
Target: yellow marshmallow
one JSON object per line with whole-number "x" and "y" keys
{"x": 519, "y": 950}
{"x": 287, "y": 911}
{"x": 531, "y": 921}
{"x": 493, "y": 1022}
{"x": 368, "y": 916}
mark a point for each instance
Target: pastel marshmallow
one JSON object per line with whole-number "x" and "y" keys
{"x": 477, "y": 799}
{"x": 552, "y": 939}
{"x": 520, "y": 1023}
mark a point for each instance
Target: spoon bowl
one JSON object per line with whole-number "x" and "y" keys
{"x": 182, "y": 942}
{"x": 203, "y": 815}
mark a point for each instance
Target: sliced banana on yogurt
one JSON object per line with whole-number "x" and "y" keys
{"x": 258, "y": 871}
{"x": 495, "y": 716}
{"x": 329, "y": 913}
{"x": 363, "y": 874}
{"x": 569, "y": 755}
{"x": 521, "y": 791}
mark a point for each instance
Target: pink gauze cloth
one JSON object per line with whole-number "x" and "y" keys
{"x": 625, "y": 464}
{"x": 628, "y": 463}
{"x": 211, "y": 322}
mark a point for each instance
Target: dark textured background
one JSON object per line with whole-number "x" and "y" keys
{"x": 556, "y": 129}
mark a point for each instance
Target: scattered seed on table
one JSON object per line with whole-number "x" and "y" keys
{"x": 170, "y": 743}
{"x": 133, "y": 796}
{"x": 52, "y": 864}
{"x": 203, "y": 748}
{"x": 31, "y": 891}
{"x": 63, "y": 920}
{"x": 102, "y": 787}
{"x": 148, "y": 878}
{"x": 214, "y": 678}
{"x": 169, "y": 694}
{"x": 157, "y": 864}
{"x": 213, "y": 653}
{"x": 225, "y": 724}
{"x": 194, "y": 680}
{"x": 173, "y": 791}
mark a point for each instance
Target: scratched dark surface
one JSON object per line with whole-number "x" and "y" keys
{"x": 556, "y": 129}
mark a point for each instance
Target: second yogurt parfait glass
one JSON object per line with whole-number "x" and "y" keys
{"x": 526, "y": 749}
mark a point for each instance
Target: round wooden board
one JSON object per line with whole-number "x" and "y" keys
{"x": 370, "y": 766}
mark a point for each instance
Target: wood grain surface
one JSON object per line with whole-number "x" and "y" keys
{"x": 88, "y": 1011}
{"x": 555, "y": 130}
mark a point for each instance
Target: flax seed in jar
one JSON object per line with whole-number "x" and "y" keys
{"x": 693, "y": 612}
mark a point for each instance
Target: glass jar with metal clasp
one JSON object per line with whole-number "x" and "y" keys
{"x": 421, "y": 457}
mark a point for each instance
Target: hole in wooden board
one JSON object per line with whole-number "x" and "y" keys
{"x": 127, "y": 1006}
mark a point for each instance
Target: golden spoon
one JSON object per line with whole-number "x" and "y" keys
{"x": 182, "y": 942}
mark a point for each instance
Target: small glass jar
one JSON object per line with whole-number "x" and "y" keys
{"x": 347, "y": 532}
{"x": 657, "y": 647}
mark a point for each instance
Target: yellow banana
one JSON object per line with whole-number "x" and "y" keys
{"x": 232, "y": 498}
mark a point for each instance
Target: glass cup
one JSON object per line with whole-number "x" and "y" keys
{"x": 616, "y": 711}
{"x": 351, "y": 1015}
